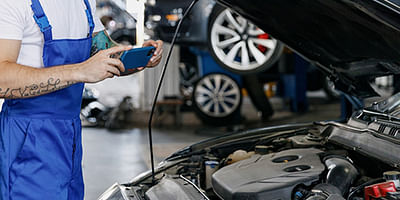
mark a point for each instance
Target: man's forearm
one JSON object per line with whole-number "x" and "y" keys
{"x": 24, "y": 82}
{"x": 18, "y": 81}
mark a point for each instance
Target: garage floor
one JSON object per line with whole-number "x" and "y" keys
{"x": 111, "y": 157}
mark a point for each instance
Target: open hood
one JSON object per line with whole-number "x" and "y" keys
{"x": 353, "y": 41}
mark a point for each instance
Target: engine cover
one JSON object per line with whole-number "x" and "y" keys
{"x": 271, "y": 176}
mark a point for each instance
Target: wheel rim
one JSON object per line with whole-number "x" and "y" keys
{"x": 217, "y": 95}
{"x": 236, "y": 42}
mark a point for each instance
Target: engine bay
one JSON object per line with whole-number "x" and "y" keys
{"x": 301, "y": 165}
{"x": 325, "y": 160}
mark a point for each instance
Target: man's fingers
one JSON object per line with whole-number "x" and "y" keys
{"x": 115, "y": 71}
{"x": 109, "y": 75}
{"x": 117, "y": 63}
{"x": 158, "y": 45}
{"x": 115, "y": 66}
{"x": 149, "y": 43}
{"x": 155, "y": 59}
{"x": 154, "y": 62}
{"x": 117, "y": 49}
{"x": 158, "y": 52}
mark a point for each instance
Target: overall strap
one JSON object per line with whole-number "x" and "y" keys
{"x": 41, "y": 20}
{"x": 89, "y": 17}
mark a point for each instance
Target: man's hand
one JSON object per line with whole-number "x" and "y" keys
{"x": 156, "y": 59}
{"x": 102, "y": 65}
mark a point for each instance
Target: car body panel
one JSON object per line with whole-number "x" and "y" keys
{"x": 194, "y": 28}
{"x": 352, "y": 40}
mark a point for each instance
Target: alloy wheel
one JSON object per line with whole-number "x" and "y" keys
{"x": 239, "y": 44}
{"x": 217, "y": 95}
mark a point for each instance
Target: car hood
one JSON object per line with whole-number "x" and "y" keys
{"x": 353, "y": 41}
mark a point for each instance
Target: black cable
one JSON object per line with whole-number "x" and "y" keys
{"x": 160, "y": 84}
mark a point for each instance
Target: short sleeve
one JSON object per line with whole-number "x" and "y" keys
{"x": 98, "y": 25}
{"x": 13, "y": 15}
{"x": 12, "y": 19}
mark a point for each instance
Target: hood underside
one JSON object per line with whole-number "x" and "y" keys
{"x": 353, "y": 41}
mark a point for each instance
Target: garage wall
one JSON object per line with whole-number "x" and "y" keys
{"x": 150, "y": 79}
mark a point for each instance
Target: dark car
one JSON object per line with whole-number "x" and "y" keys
{"x": 237, "y": 46}
{"x": 118, "y": 22}
{"x": 220, "y": 30}
{"x": 353, "y": 41}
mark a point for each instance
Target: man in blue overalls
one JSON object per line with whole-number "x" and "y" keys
{"x": 45, "y": 57}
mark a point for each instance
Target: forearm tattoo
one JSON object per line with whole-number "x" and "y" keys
{"x": 101, "y": 41}
{"x": 33, "y": 90}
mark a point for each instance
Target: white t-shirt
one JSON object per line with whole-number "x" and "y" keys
{"x": 67, "y": 17}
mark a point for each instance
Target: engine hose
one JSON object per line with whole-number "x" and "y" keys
{"x": 341, "y": 174}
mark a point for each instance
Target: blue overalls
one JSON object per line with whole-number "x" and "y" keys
{"x": 40, "y": 137}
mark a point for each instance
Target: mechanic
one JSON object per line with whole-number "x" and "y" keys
{"x": 46, "y": 55}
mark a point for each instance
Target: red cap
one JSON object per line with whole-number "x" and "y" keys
{"x": 379, "y": 190}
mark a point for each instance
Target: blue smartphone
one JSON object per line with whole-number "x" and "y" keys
{"x": 138, "y": 57}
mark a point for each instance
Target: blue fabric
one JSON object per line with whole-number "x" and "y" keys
{"x": 89, "y": 16}
{"x": 41, "y": 20}
{"x": 40, "y": 137}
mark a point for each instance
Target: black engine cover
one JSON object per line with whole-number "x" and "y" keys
{"x": 272, "y": 176}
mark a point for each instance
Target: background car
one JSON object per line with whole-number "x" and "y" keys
{"x": 237, "y": 46}
{"x": 235, "y": 43}
{"x": 118, "y": 22}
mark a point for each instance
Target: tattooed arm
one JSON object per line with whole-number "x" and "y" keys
{"x": 19, "y": 81}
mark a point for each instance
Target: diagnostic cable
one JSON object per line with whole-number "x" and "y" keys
{"x": 164, "y": 69}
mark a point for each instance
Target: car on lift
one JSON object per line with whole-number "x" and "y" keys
{"x": 216, "y": 73}
{"x": 237, "y": 46}
{"x": 226, "y": 33}
{"x": 354, "y": 42}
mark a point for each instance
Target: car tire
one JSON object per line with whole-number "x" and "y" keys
{"x": 230, "y": 35}
{"x": 217, "y": 100}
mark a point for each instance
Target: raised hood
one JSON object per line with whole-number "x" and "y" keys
{"x": 352, "y": 40}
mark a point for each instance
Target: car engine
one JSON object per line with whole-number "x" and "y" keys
{"x": 272, "y": 176}
{"x": 300, "y": 167}
{"x": 321, "y": 162}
